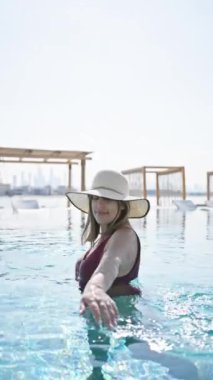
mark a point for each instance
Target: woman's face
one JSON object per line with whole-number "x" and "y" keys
{"x": 104, "y": 210}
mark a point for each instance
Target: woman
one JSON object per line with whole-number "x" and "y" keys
{"x": 112, "y": 262}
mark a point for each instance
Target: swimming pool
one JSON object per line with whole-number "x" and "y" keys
{"x": 167, "y": 334}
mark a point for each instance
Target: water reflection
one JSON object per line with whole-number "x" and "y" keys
{"x": 69, "y": 218}
{"x": 172, "y": 222}
{"x": 83, "y": 220}
{"x": 75, "y": 222}
{"x": 163, "y": 221}
{"x": 209, "y": 225}
{"x": 140, "y": 224}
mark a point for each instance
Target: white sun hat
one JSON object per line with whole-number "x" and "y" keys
{"x": 112, "y": 185}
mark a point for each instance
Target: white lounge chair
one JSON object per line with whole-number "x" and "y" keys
{"x": 185, "y": 205}
{"x": 24, "y": 204}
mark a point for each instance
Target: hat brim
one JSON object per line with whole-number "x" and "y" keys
{"x": 139, "y": 207}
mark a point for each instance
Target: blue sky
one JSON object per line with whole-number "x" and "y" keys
{"x": 131, "y": 81}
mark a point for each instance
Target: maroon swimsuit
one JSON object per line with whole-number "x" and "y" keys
{"x": 86, "y": 267}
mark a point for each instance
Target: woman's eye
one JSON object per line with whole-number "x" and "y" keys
{"x": 95, "y": 197}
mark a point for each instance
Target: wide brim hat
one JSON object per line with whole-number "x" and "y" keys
{"x": 112, "y": 185}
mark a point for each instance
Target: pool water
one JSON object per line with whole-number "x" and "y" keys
{"x": 165, "y": 335}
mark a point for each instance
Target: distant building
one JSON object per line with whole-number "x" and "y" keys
{"x": 4, "y": 188}
{"x": 46, "y": 190}
{"x": 61, "y": 190}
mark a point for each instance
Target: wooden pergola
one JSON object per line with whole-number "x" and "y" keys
{"x": 209, "y": 189}
{"x": 41, "y": 156}
{"x": 158, "y": 171}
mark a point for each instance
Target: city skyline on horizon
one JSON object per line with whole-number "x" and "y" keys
{"x": 52, "y": 175}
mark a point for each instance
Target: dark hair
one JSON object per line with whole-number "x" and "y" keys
{"x": 92, "y": 228}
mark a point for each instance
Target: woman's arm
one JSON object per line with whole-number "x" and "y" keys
{"x": 118, "y": 258}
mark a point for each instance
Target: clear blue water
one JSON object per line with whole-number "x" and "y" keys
{"x": 165, "y": 335}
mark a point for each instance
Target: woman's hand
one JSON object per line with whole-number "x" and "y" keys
{"x": 102, "y": 306}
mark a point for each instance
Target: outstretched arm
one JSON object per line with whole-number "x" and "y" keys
{"x": 102, "y": 306}
{"x": 117, "y": 260}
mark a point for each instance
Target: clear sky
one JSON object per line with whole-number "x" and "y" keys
{"x": 130, "y": 80}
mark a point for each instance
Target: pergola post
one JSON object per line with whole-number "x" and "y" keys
{"x": 184, "y": 183}
{"x": 83, "y": 167}
{"x": 208, "y": 186}
{"x": 69, "y": 176}
{"x": 69, "y": 180}
{"x": 144, "y": 182}
{"x": 157, "y": 189}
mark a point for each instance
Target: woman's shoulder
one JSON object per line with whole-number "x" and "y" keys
{"x": 126, "y": 229}
{"x": 125, "y": 232}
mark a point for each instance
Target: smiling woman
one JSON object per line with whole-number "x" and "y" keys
{"x": 112, "y": 262}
